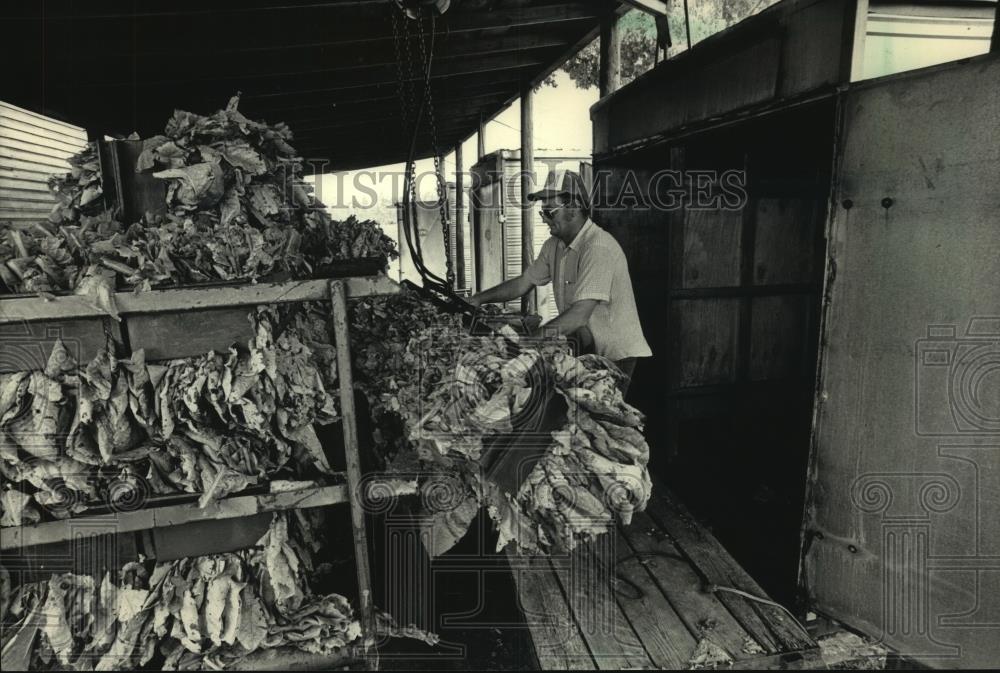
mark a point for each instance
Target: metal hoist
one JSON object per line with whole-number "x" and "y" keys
{"x": 414, "y": 49}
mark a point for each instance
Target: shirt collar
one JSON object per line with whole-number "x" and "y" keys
{"x": 584, "y": 230}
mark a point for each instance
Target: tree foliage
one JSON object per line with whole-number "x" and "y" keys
{"x": 638, "y": 37}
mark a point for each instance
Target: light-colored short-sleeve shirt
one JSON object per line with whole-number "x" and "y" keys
{"x": 594, "y": 266}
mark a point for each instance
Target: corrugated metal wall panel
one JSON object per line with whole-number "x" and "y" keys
{"x": 512, "y": 215}
{"x": 32, "y": 149}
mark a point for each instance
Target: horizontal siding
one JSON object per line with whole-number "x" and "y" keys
{"x": 32, "y": 149}
{"x": 19, "y": 170}
{"x": 14, "y": 112}
{"x": 24, "y": 185}
{"x": 25, "y": 196}
{"x": 15, "y": 157}
{"x": 37, "y": 137}
{"x": 26, "y": 126}
{"x": 22, "y": 216}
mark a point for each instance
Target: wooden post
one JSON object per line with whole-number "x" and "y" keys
{"x": 610, "y": 65}
{"x": 459, "y": 223}
{"x": 995, "y": 41}
{"x": 687, "y": 24}
{"x": 448, "y": 242}
{"x": 481, "y": 138}
{"x": 528, "y": 302}
{"x": 338, "y": 301}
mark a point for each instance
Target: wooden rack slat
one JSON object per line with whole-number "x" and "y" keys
{"x": 21, "y": 309}
{"x": 173, "y": 515}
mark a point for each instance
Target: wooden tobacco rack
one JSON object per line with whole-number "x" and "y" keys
{"x": 175, "y": 323}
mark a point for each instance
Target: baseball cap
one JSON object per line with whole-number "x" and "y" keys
{"x": 563, "y": 181}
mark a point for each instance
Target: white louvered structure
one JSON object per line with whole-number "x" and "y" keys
{"x": 32, "y": 148}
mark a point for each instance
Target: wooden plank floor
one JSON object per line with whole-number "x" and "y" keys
{"x": 652, "y": 596}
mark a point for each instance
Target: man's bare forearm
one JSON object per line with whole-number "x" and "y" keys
{"x": 505, "y": 291}
{"x": 566, "y": 323}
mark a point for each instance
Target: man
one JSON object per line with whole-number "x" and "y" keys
{"x": 589, "y": 274}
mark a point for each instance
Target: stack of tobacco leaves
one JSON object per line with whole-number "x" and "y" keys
{"x": 437, "y": 394}
{"x": 593, "y": 475}
{"x": 205, "y": 612}
{"x": 237, "y": 209}
{"x": 211, "y": 425}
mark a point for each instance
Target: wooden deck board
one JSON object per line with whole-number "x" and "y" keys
{"x": 770, "y": 625}
{"x": 661, "y": 630}
{"x": 702, "y": 613}
{"x": 585, "y": 577}
{"x": 577, "y": 620}
{"x": 554, "y": 633}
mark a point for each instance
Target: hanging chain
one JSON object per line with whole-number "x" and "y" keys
{"x": 406, "y": 101}
{"x": 438, "y": 167}
{"x": 409, "y": 78}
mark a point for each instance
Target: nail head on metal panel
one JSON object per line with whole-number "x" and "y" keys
{"x": 887, "y": 202}
{"x": 847, "y": 203}
{"x": 851, "y": 548}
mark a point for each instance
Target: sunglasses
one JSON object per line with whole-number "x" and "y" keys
{"x": 548, "y": 211}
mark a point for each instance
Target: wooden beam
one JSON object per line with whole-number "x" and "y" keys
{"x": 481, "y": 138}
{"x": 506, "y": 81}
{"x": 65, "y": 307}
{"x": 457, "y": 20}
{"x": 995, "y": 40}
{"x": 609, "y": 69}
{"x": 442, "y": 183}
{"x": 337, "y": 141}
{"x": 530, "y": 300}
{"x": 282, "y": 7}
{"x": 687, "y": 24}
{"x": 444, "y": 111}
{"x": 339, "y": 61}
{"x": 256, "y": 87}
{"x": 654, "y": 7}
{"x": 459, "y": 219}
{"x": 487, "y": 65}
{"x": 316, "y": 29}
{"x": 173, "y": 515}
{"x": 338, "y": 304}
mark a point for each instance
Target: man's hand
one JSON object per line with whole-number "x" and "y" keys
{"x": 575, "y": 318}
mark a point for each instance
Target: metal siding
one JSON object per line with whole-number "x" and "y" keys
{"x": 512, "y": 215}
{"x": 488, "y": 241}
{"x": 32, "y": 149}
{"x": 900, "y": 531}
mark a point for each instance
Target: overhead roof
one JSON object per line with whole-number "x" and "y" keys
{"x": 327, "y": 68}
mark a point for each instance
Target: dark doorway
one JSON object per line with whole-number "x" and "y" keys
{"x": 730, "y": 303}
